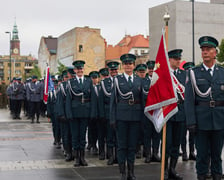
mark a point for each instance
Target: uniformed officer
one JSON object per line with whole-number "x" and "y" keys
{"x": 34, "y": 96}
{"x": 204, "y": 104}
{"x": 71, "y": 72}
{"x": 17, "y": 96}
{"x": 140, "y": 70}
{"x": 192, "y": 155}
{"x": 104, "y": 99}
{"x": 9, "y": 94}
{"x": 126, "y": 109}
{"x": 43, "y": 106}
{"x": 96, "y": 126}
{"x": 52, "y": 112}
{"x": 176, "y": 123}
{"x": 61, "y": 116}
{"x": 104, "y": 73}
{"x": 151, "y": 137}
{"x": 78, "y": 101}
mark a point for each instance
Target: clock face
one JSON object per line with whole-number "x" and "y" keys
{"x": 15, "y": 51}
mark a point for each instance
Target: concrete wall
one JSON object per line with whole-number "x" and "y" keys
{"x": 43, "y": 56}
{"x": 217, "y": 1}
{"x": 208, "y": 21}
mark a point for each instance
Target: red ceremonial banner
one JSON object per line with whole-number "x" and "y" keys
{"x": 161, "y": 103}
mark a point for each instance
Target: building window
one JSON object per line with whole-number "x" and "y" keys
{"x": 1, "y": 72}
{"x": 142, "y": 51}
{"x": 28, "y": 65}
{"x": 136, "y": 52}
{"x": 17, "y": 64}
{"x": 18, "y": 72}
{"x": 1, "y": 64}
{"x": 80, "y": 48}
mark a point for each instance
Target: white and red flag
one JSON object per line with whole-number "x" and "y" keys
{"x": 46, "y": 82}
{"x": 161, "y": 103}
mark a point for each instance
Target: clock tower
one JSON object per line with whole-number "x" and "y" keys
{"x": 15, "y": 42}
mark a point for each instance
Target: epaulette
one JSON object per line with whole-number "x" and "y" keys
{"x": 220, "y": 66}
{"x": 197, "y": 66}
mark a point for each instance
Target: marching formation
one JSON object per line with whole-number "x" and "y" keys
{"x": 108, "y": 109}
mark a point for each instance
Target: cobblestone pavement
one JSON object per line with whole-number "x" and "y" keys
{"x": 27, "y": 153}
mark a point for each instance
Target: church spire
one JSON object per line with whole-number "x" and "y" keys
{"x": 15, "y": 32}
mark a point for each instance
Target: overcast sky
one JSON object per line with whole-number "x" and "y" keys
{"x": 36, "y": 18}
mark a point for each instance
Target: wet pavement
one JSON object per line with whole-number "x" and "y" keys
{"x": 27, "y": 153}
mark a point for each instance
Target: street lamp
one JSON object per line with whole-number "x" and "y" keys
{"x": 193, "y": 58}
{"x": 8, "y": 32}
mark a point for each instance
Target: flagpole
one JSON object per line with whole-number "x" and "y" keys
{"x": 166, "y": 18}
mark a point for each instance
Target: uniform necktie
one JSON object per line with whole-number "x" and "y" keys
{"x": 96, "y": 90}
{"x": 210, "y": 71}
{"x": 175, "y": 73}
{"x": 80, "y": 82}
{"x": 129, "y": 81}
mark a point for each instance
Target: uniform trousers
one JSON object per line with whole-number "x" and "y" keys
{"x": 78, "y": 130}
{"x": 127, "y": 137}
{"x": 209, "y": 145}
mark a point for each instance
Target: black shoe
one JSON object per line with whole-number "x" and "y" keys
{"x": 172, "y": 172}
{"x": 88, "y": 147}
{"x": 138, "y": 155}
{"x": 58, "y": 145}
{"x": 32, "y": 121}
{"x": 122, "y": 171}
{"x": 69, "y": 157}
{"x": 192, "y": 156}
{"x": 102, "y": 156}
{"x": 19, "y": 117}
{"x": 202, "y": 177}
{"x": 82, "y": 158}
{"x": 94, "y": 151}
{"x": 184, "y": 156}
{"x": 131, "y": 175}
{"x": 77, "y": 158}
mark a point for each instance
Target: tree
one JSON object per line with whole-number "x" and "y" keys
{"x": 36, "y": 71}
{"x": 61, "y": 68}
{"x": 220, "y": 55}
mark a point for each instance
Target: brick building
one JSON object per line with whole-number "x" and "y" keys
{"x": 138, "y": 45}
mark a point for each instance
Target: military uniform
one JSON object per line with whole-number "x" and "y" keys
{"x": 191, "y": 138}
{"x": 151, "y": 137}
{"x": 99, "y": 132}
{"x": 52, "y": 113}
{"x": 104, "y": 100}
{"x": 204, "y": 105}
{"x": 176, "y": 123}
{"x": 78, "y": 99}
{"x": 125, "y": 113}
{"x": 34, "y": 96}
{"x": 65, "y": 127}
{"x": 17, "y": 96}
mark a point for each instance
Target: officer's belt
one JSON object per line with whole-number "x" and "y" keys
{"x": 210, "y": 103}
{"x": 130, "y": 101}
{"x": 81, "y": 100}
